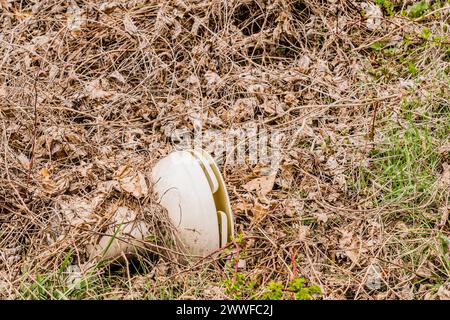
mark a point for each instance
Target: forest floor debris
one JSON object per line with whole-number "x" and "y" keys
{"x": 92, "y": 91}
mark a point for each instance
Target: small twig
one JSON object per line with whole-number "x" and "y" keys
{"x": 371, "y": 135}
{"x": 294, "y": 266}
{"x": 33, "y": 147}
{"x": 374, "y": 117}
{"x": 294, "y": 270}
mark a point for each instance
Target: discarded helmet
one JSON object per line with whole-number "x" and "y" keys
{"x": 190, "y": 187}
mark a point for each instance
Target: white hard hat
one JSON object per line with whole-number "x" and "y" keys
{"x": 189, "y": 185}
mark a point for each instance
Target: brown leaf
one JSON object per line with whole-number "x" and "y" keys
{"x": 95, "y": 90}
{"x": 444, "y": 218}
{"x": 321, "y": 216}
{"x": 242, "y": 206}
{"x": 212, "y": 78}
{"x": 242, "y": 109}
{"x": 108, "y": 7}
{"x": 3, "y": 92}
{"x": 129, "y": 25}
{"x": 290, "y": 99}
{"x": 24, "y": 161}
{"x": 117, "y": 76}
{"x": 443, "y": 292}
{"x": 131, "y": 182}
{"x": 445, "y": 178}
{"x": 425, "y": 270}
{"x": 402, "y": 229}
{"x": 51, "y": 185}
{"x": 259, "y": 211}
{"x": 303, "y": 232}
{"x": 45, "y": 173}
{"x": 349, "y": 245}
{"x": 262, "y": 185}
{"x": 353, "y": 254}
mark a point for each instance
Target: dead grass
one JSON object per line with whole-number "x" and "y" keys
{"x": 90, "y": 89}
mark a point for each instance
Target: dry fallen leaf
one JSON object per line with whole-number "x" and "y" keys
{"x": 108, "y": 7}
{"x": 349, "y": 245}
{"x": 444, "y": 218}
{"x": 95, "y": 90}
{"x": 425, "y": 270}
{"x": 242, "y": 109}
{"x": 290, "y": 99}
{"x": 24, "y": 161}
{"x": 321, "y": 216}
{"x": 131, "y": 181}
{"x": 79, "y": 211}
{"x": 262, "y": 185}
{"x": 242, "y": 264}
{"x": 3, "y": 92}
{"x": 129, "y": 25}
{"x": 117, "y": 76}
{"x": 212, "y": 78}
{"x": 303, "y": 232}
{"x": 50, "y": 185}
{"x": 444, "y": 292}
{"x": 45, "y": 173}
{"x": 445, "y": 178}
{"x": 259, "y": 211}
{"x": 242, "y": 206}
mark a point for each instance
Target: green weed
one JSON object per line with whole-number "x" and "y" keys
{"x": 275, "y": 290}
{"x": 418, "y": 9}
